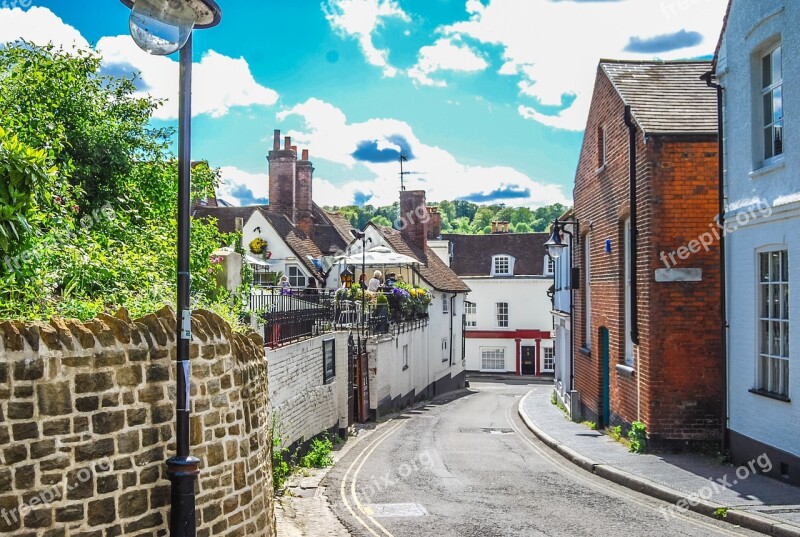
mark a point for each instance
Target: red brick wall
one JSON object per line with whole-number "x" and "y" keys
{"x": 414, "y": 217}
{"x": 689, "y": 372}
{"x": 303, "y": 195}
{"x": 282, "y": 172}
{"x": 676, "y": 389}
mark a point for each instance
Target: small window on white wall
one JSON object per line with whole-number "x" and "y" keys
{"x": 501, "y": 310}
{"x": 549, "y": 360}
{"x": 445, "y": 304}
{"x": 445, "y": 349}
{"x": 502, "y": 265}
{"x": 493, "y": 359}
{"x": 772, "y": 103}
{"x": 296, "y": 276}
{"x": 471, "y": 312}
{"x": 549, "y": 266}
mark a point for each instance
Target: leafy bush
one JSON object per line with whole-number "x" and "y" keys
{"x": 88, "y": 195}
{"x": 320, "y": 454}
{"x": 280, "y": 467}
{"x": 615, "y": 432}
{"x": 638, "y": 437}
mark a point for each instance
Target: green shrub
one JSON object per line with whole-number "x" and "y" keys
{"x": 638, "y": 437}
{"x": 615, "y": 432}
{"x": 320, "y": 454}
{"x": 280, "y": 468}
{"x": 590, "y": 424}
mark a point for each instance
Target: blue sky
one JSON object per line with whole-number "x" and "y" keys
{"x": 488, "y": 98}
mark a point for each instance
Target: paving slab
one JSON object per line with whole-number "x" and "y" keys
{"x": 692, "y": 476}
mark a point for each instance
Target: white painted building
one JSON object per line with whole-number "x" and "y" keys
{"x": 562, "y": 312}
{"x": 758, "y": 65}
{"x": 508, "y": 321}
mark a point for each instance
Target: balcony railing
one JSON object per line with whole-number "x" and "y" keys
{"x": 290, "y": 315}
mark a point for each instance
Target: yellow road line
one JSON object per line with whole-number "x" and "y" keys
{"x": 342, "y": 488}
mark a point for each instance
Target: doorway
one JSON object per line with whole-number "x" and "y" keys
{"x": 606, "y": 385}
{"x": 528, "y": 360}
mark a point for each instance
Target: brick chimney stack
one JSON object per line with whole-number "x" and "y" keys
{"x": 303, "y": 195}
{"x": 282, "y": 173}
{"x": 494, "y": 227}
{"x": 414, "y": 217}
{"x": 434, "y": 224}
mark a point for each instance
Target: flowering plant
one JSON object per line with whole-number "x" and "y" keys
{"x": 258, "y": 245}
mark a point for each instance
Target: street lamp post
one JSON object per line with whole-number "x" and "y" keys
{"x": 362, "y": 236}
{"x": 555, "y": 247}
{"x": 161, "y": 27}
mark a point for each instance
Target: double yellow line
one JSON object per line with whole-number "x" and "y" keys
{"x": 360, "y": 460}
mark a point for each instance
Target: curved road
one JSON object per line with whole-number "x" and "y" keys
{"x": 466, "y": 466}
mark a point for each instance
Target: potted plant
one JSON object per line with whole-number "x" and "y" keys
{"x": 258, "y": 246}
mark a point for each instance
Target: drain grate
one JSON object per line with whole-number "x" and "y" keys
{"x": 395, "y": 510}
{"x": 488, "y": 430}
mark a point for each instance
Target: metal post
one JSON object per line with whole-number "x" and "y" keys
{"x": 183, "y": 468}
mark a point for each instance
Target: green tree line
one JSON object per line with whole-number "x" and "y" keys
{"x": 461, "y": 217}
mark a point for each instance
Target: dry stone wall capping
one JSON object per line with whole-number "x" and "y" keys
{"x": 87, "y": 415}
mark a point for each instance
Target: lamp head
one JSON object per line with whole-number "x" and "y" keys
{"x": 357, "y": 234}
{"x": 555, "y": 245}
{"x": 162, "y": 27}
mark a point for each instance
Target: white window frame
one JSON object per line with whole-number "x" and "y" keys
{"x": 294, "y": 280}
{"x": 445, "y": 304}
{"x": 502, "y": 259}
{"x": 471, "y": 311}
{"x": 548, "y": 355}
{"x": 602, "y": 148}
{"x": 501, "y": 314}
{"x": 549, "y": 265}
{"x": 494, "y": 355}
{"x": 773, "y": 314}
{"x": 445, "y": 349}
{"x": 772, "y": 89}
{"x": 629, "y": 361}
{"x": 587, "y": 291}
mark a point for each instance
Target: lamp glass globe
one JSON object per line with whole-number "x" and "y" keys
{"x": 161, "y": 27}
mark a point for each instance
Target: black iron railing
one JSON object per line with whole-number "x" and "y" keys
{"x": 290, "y": 315}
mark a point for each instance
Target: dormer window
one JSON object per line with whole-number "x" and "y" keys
{"x": 502, "y": 265}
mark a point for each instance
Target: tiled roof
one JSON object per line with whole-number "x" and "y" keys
{"x": 432, "y": 269}
{"x": 295, "y": 238}
{"x": 226, "y": 216}
{"x": 331, "y": 231}
{"x": 666, "y": 97}
{"x": 472, "y": 254}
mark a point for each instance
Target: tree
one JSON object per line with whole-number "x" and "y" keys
{"x": 97, "y": 193}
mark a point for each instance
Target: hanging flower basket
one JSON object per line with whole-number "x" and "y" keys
{"x": 258, "y": 246}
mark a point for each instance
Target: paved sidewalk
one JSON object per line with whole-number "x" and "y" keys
{"x": 753, "y": 501}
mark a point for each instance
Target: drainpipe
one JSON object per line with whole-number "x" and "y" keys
{"x": 708, "y": 77}
{"x": 634, "y": 328}
{"x": 452, "y": 313}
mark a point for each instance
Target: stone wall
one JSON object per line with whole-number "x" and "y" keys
{"x": 303, "y": 405}
{"x": 87, "y": 421}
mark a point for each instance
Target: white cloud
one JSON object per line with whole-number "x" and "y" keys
{"x": 331, "y": 137}
{"x": 220, "y": 82}
{"x": 446, "y": 54}
{"x": 38, "y": 25}
{"x": 554, "y": 47}
{"x": 233, "y": 180}
{"x": 361, "y": 19}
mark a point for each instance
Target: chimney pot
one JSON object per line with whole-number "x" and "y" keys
{"x": 494, "y": 227}
{"x": 294, "y": 148}
{"x": 287, "y": 143}
{"x": 276, "y": 145}
{"x": 305, "y": 154}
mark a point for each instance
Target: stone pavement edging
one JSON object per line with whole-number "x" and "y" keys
{"x": 737, "y": 517}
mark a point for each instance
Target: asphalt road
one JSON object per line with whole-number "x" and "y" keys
{"x": 466, "y": 466}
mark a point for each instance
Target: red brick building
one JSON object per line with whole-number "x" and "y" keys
{"x": 648, "y": 345}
